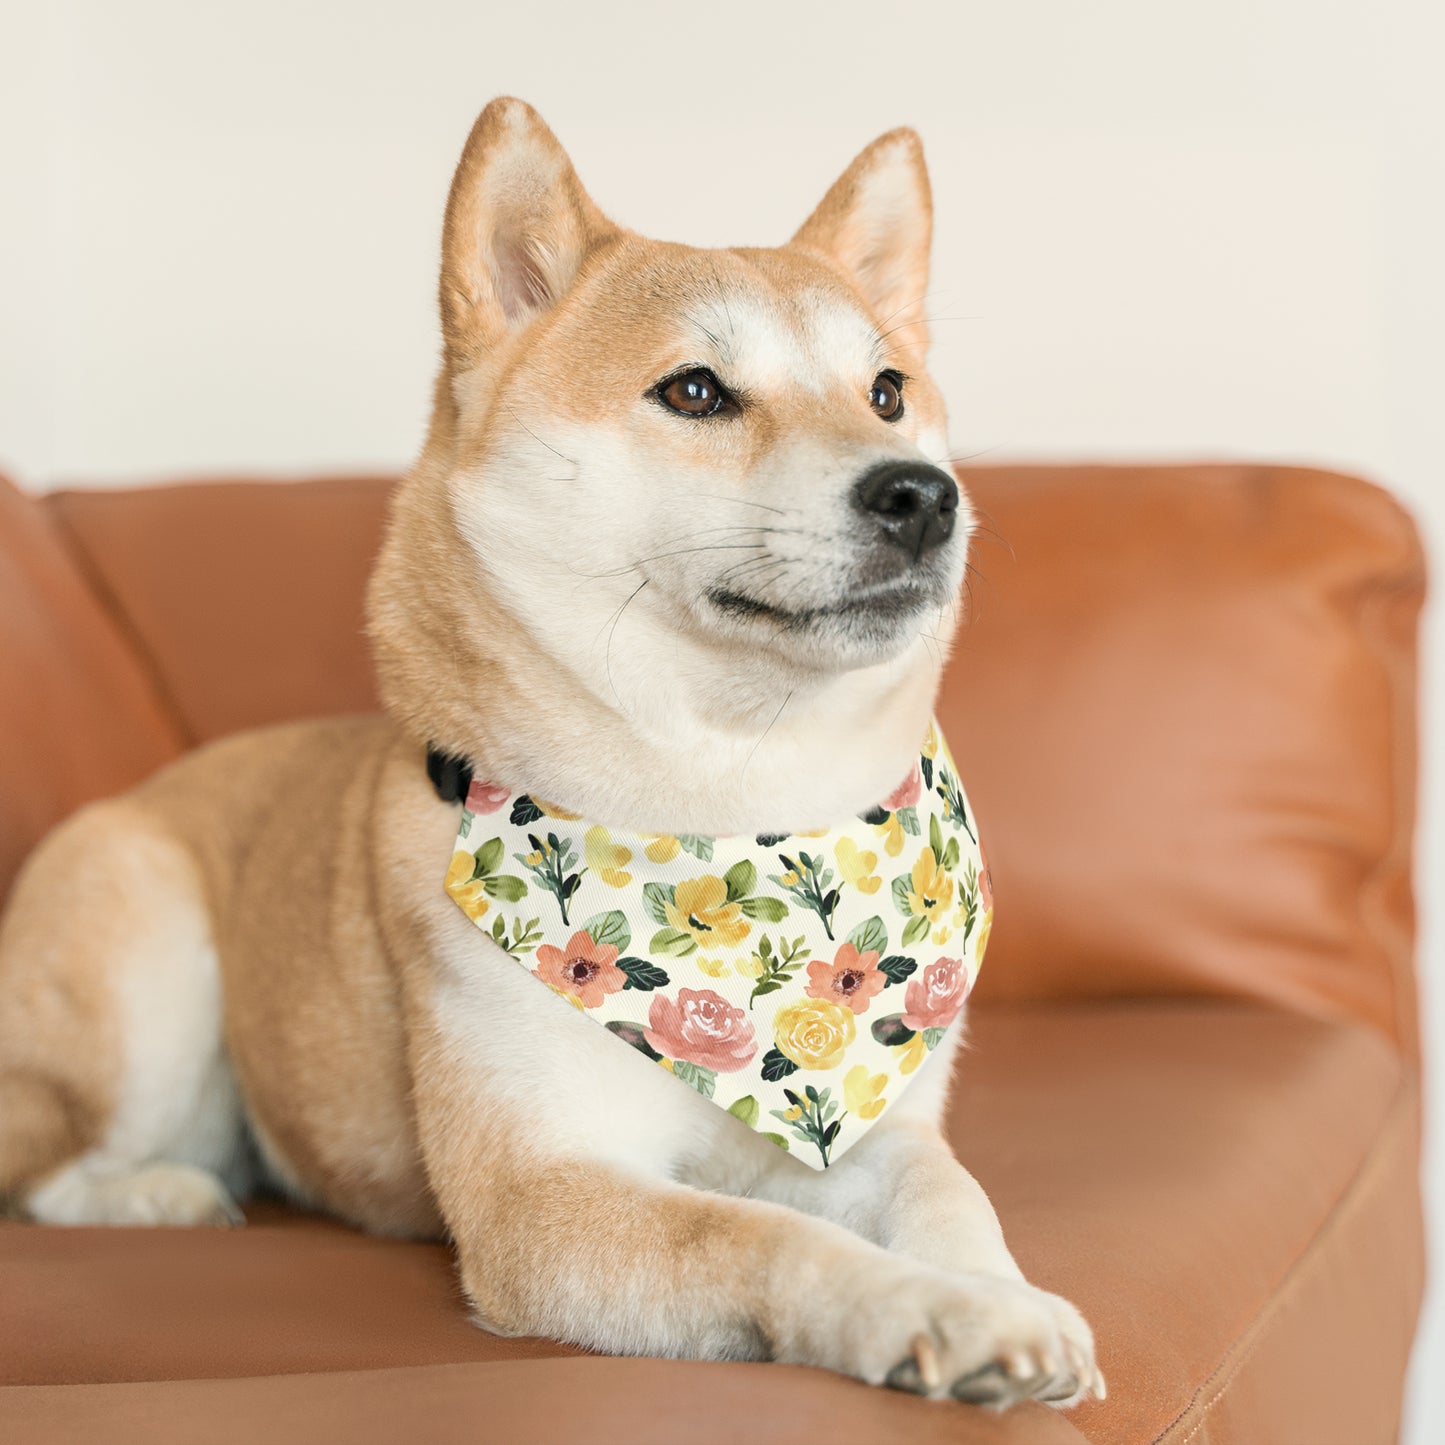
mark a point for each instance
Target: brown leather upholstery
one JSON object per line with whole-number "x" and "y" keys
{"x": 247, "y": 614}
{"x": 79, "y": 713}
{"x": 1184, "y": 710}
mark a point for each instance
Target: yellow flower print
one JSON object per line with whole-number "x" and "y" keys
{"x": 910, "y": 1054}
{"x": 856, "y": 866}
{"x": 700, "y": 907}
{"x": 795, "y": 1112}
{"x": 608, "y": 860}
{"x": 814, "y": 1032}
{"x": 863, "y": 1092}
{"x": 713, "y": 967}
{"x": 663, "y": 848}
{"x": 930, "y": 743}
{"x": 471, "y": 896}
{"x": 892, "y": 831}
{"x": 752, "y": 966}
{"x": 551, "y": 810}
{"x": 981, "y": 937}
{"x": 942, "y": 934}
{"x": 931, "y": 892}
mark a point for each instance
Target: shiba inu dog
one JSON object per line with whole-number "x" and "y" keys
{"x": 678, "y": 553}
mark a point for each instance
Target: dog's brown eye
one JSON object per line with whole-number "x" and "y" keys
{"x": 886, "y": 398}
{"x": 694, "y": 393}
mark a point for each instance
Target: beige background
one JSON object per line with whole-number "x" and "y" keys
{"x": 1164, "y": 229}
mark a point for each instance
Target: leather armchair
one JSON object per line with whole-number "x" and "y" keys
{"x": 1184, "y": 703}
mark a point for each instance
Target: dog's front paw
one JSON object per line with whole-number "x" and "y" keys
{"x": 976, "y": 1337}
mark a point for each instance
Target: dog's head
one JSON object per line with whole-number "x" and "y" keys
{"x": 651, "y": 461}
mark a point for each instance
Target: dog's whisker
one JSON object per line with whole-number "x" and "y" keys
{"x": 659, "y": 556}
{"x": 765, "y": 732}
{"x": 607, "y": 655}
{"x": 748, "y": 502}
{"x": 571, "y": 461}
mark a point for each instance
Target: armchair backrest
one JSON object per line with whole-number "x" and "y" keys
{"x": 1183, "y": 703}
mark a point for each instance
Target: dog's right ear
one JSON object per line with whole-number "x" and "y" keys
{"x": 518, "y": 227}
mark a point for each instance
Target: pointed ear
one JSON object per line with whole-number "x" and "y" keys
{"x": 518, "y": 227}
{"x": 877, "y": 223}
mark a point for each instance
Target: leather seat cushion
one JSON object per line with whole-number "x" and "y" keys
{"x": 1226, "y": 1191}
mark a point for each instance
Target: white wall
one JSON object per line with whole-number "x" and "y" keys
{"x": 1164, "y": 228}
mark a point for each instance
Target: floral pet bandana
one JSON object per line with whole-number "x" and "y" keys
{"x": 796, "y": 980}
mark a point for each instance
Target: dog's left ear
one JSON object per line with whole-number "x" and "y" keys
{"x": 877, "y": 223}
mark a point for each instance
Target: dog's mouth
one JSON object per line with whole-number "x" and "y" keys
{"x": 887, "y": 605}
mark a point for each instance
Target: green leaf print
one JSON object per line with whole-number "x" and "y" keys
{"x": 672, "y": 943}
{"x": 891, "y": 1030}
{"x": 776, "y": 1065}
{"x": 811, "y": 1118}
{"x": 895, "y": 968}
{"x": 642, "y": 974}
{"x": 489, "y": 857}
{"x": 916, "y": 930}
{"x": 634, "y": 1034}
{"x": 701, "y": 1079}
{"x": 766, "y": 910}
{"x": 870, "y": 936}
{"x": 656, "y": 897}
{"x": 745, "y": 1109}
{"x": 741, "y": 879}
{"x": 610, "y": 928}
{"x": 506, "y": 886}
{"x": 902, "y": 887}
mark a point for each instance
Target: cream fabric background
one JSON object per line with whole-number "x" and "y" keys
{"x": 1165, "y": 229}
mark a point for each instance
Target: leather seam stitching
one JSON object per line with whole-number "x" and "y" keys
{"x": 125, "y": 624}
{"x": 1299, "y": 1271}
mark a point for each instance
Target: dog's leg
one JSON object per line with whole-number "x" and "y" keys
{"x": 613, "y": 1255}
{"x": 116, "y": 1104}
{"x": 901, "y": 1188}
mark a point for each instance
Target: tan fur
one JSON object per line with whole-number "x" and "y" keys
{"x": 264, "y": 922}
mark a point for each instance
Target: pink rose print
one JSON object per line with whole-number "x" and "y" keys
{"x": 934, "y": 1001}
{"x": 907, "y": 793}
{"x": 853, "y": 979}
{"x": 485, "y": 797}
{"x": 701, "y": 1027}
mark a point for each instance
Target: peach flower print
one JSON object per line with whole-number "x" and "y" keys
{"x": 701, "y": 1027}
{"x": 853, "y": 978}
{"x": 907, "y": 793}
{"x": 585, "y": 969}
{"x": 934, "y": 1001}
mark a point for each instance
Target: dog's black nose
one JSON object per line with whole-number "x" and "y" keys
{"x": 913, "y": 503}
